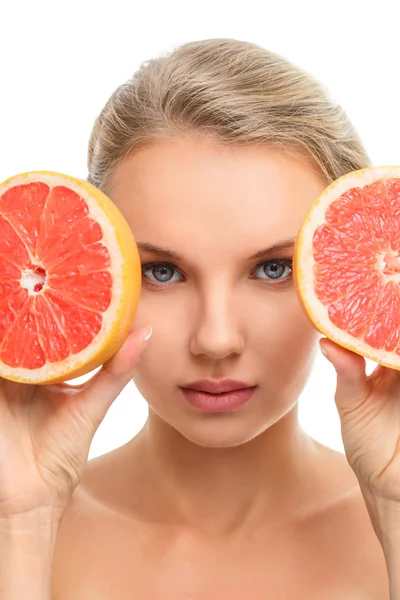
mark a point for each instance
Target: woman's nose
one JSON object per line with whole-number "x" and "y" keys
{"x": 217, "y": 331}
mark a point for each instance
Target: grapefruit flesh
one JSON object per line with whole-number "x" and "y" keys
{"x": 70, "y": 278}
{"x": 347, "y": 263}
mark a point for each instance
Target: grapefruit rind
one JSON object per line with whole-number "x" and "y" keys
{"x": 126, "y": 272}
{"x": 303, "y": 264}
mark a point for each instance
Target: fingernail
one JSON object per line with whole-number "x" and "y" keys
{"x": 148, "y": 336}
{"x": 145, "y": 341}
{"x": 324, "y": 352}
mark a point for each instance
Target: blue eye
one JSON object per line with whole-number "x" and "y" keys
{"x": 160, "y": 271}
{"x": 276, "y": 270}
{"x": 159, "y": 274}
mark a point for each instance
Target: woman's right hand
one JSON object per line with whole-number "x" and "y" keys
{"x": 46, "y": 432}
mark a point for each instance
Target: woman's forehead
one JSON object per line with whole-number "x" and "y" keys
{"x": 200, "y": 185}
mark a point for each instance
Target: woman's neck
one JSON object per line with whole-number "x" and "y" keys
{"x": 221, "y": 490}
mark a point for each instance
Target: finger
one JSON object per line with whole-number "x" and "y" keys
{"x": 104, "y": 387}
{"x": 352, "y": 387}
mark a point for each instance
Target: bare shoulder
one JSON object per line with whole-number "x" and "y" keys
{"x": 343, "y": 503}
{"x": 88, "y": 532}
{"x": 328, "y": 550}
{"x": 339, "y": 526}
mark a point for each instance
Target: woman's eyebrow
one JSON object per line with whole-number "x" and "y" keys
{"x": 287, "y": 244}
{"x": 269, "y": 252}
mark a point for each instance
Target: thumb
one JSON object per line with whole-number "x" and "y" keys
{"x": 103, "y": 388}
{"x": 352, "y": 385}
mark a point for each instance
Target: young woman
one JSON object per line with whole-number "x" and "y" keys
{"x": 214, "y": 154}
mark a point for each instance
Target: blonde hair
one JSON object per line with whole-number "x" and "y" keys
{"x": 235, "y": 91}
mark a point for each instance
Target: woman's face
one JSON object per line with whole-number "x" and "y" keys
{"x": 217, "y": 313}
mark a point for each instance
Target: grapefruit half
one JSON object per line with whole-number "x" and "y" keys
{"x": 70, "y": 278}
{"x": 347, "y": 263}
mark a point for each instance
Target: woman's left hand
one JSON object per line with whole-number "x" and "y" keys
{"x": 369, "y": 410}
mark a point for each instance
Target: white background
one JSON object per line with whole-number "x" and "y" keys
{"x": 60, "y": 61}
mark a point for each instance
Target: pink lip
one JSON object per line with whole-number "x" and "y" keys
{"x": 222, "y": 402}
{"x": 214, "y": 386}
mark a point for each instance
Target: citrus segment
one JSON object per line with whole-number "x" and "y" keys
{"x": 334, "y": 281}
{"x": 333, "y": 247}
{"x": 348, "y": 216}
{"x": 92, "y": 290}
{"x": 70, "y": 277}
{"x": 383, "y": 330}
{"x": 347, "y": 263}
{"x": 9, "y": 271}
{"x": 393, "y": 192}
{"x": 11, "y": 306}
{"x": 64, "y": 210}
{"x": 355, "y": 310}
{"x": 22, "y": 206}
{"x": 378, "y": 213}
{"x": 21, "y": 345}
{"x": 11, "y": 246}
{"x": 50, "y": 334}
{"x": 78, "y": 324}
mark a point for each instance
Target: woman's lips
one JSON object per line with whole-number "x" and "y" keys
{"x": 222, "y": 402}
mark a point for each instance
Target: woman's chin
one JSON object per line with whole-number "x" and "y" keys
{"x": 219, "y": 429}
{"x": 215, "y": 433}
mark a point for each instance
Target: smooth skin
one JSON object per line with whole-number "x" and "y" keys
{"x": 243, "y": 504}
{"x": 220, "y": 505}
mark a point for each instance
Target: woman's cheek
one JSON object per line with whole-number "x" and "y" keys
{"x": 290, "y": 338}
